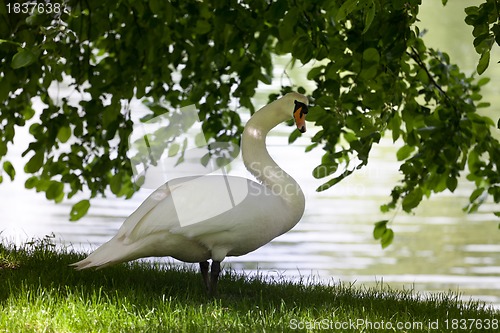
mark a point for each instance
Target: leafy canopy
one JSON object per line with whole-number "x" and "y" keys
{"x": 373, "y": 74}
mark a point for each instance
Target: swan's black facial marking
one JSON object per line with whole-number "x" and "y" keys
{"x": 299, "y": 113}
{"x": 300, "y": 107}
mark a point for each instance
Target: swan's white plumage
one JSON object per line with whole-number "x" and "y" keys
{"x": 189, "y": 218}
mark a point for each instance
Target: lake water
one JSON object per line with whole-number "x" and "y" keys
{"x": 438, "y": 248}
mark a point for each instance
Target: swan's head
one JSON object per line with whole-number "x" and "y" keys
{"x": 300, "y": 110}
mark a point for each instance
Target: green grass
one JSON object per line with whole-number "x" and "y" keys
{"x": 40, "y": 293}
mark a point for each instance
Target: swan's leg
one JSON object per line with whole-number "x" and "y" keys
{"x": 214, "y": 277}
{"x": 204, "y": 274}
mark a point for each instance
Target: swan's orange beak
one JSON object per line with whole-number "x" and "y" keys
{"x": 299, "y": 115}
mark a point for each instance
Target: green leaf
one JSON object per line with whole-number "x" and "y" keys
{"x": 473, "y": 161}
{"x": 476, "y": 193}
{"x": 286, "y": 27}
{"x": 371, "y": 55}
{"x": 379, "y": 229}
{"x": 350, "y": 136}
{"x": 205, "y": 159}
{"x": 484, "y": 61}
{"x": 79, "y": 210}
{"x": 471, "y": 208}
{"x": 23, "y": 58}
{"x": 404, "y": 152}
{"x": 303, "y": 49}
{"x": 451, "y": 183}
{"x": 483, "y": 105}
{"x": 423, "y": 76}
{"x": 174, "y": 149}
{"x": 496, "y": 31}
{"x": 199, "y": 140}
{"x": 31, "y": 182}
{"x": 203, "y": 27}
{"x": 369, "y": 15}
{"x": 156, "y": 6}
{"x": 28, "y": 112}
{"x": 266, "y": 79}
{"x": 387, "y": 238}
{"x": 386, "y": 235}
{"x": 324, "y": 170}
{"x": 115, "y": 184}
{"x": 110, "y": 114}
{"x": 334, "y": 181}
{"x": 329, "y": 184}
{"x": 311, "y": 147}
{"x": 315, "y": 72}
{"x": 412, "y": 199}
{"x": 35, "y": 162}
{"x": 55, "y": 190}
{"x": 347, "y": 7}
{"x": 483, "y": 81}
{"x": 64, "y": 134}
{"x": 294, "y": 136}
{"x": 9, "y": 169}
{"x": 472, "y": 10}
{"x": 369, "y": 72}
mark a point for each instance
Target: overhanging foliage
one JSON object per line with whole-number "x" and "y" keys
{"x": 374, "y": 75}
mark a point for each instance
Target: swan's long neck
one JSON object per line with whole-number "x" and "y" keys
{"x": 258, "y": 161}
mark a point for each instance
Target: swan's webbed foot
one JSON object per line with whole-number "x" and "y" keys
{"x": 210, "y": 281}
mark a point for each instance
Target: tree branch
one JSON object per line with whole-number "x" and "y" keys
{"x": 415, "y": 56}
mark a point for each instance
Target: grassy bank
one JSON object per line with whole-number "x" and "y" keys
{"x": 40, "y": 293}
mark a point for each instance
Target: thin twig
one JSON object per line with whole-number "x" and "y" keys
{"x": 414, "y": 55}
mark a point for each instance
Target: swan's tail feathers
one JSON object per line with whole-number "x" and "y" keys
{"x": 89, "y": 263}
{"x": 104, "y": 256}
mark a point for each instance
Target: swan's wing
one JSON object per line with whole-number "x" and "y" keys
{"x": 147, "y": 205}
{"x": 142, "y": 214}
{"x": 190, "y": 206}
{"x": 237, "y": 205}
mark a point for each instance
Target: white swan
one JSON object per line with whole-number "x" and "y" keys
{"x": 260, "y": 211}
